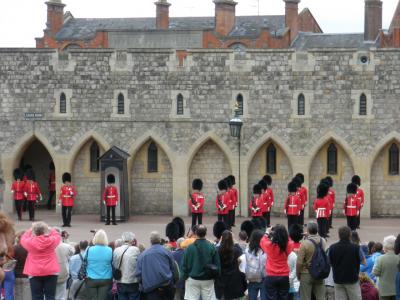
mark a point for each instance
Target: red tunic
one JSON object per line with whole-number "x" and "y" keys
{"x": 264, "y": 202}
{"x": 322, "y": 207}
{"x": 360, "y": 196}
{"x": 17, "y": 188}
{"x": 67, "y": 195}
{"x": 230, "y": 199}
{"x": 222, "y": 204}
{"x": 110, "y": 195}
{"x": 235, "y": 196}
{"x": 32, "y": 190}
{"x": 293, "y": 205}
{"x": 352, "y": 206}
{"x": 255, "y": 206}
{"x": 304, "y": 196}
{"x": 198, "y": 198}
{"x": 52, "y": 182}
{"x": 332, "y": 199}
{"x": 270, "y": 199}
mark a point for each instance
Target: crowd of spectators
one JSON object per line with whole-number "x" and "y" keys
{"x": 260, "y": 263}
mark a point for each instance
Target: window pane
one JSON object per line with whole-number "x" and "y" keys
{"x": 121, "y": 104}
{"x": 332, "y": 159}
{"x": 363, "y": 105}
{"x": 94, "y": 157}
{"x": 301, "y": 105}
{"x": 394, "y": 160}
{"x": 239, "y": 101}
{"x": 152, "y": 158}
{"x": 63, "y": 104}
{"x": 179, "y": 105}
{"x": 271, "y": 159}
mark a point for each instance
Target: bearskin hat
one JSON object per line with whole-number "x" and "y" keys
{"x": 247, "y": 226}
{"x": 296, "y": 232}
{"x": 232, "y": 179}
{"x": 27, "y": 167}
{"x": 268, "y": 179}
{"x": 329, "y": 180}
{"x": 222, "y": 185}
{"x": 322, "y": 190}
{"x": 257, "y": 189}
{"x": 218, "y": 228}
{"x": 356, "y": 179}
{"x": 18, "y": 174}
{"x": 66, "y": 177}
{"x": 263, "y": 184}
{"x": 30, "y": 174}
{"x": 181, "y": 226}
{"x": 228, "y": 182}
{"x": 197, "y": 184}
{"x": 172, "y": 231}
{"x": 351, "y": 188}
{"x": 300, "y": 176}
{"x": 292, "y": 187}
{"x": 110, "y": 178}
{"x": 296, "y": 181}
{"x": 51, "y": 166}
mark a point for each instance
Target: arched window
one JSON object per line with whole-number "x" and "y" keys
{"x": 152, "y": 158}
{"x": 394, "y": 159}
{"x": 94, "y": 157}
{"x": 271, "y": 159}
{"x": 179, "y": 104}
{"x": 121, "y": 104}
{"x": 332, "y": 159}
{"x": 363, "y": 105}
{"x": 63, "y": 104}
{"x": 239, "y": 101}
{"x": 301, "y": 105}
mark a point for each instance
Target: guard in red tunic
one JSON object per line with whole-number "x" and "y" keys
{"x": 256, "y": 202}
{"x": 270, "y": 199}
{"x": 110, "y": 198}
{"x": 322, "y": 207}
{"x": 332, "y": 199}
{"x": 26, "y": 169}
{"x": 360, "y": 195}
{"x": 352, "y": 206}
{"x": 303, "y": 195}
{"x": 292, "y": 204}
{"x": 196, "y": 202}
{"x": 66, "y": 199}
{"x": 222, "y": 203}
{"x": 231, "y": 201}
{"x": 17, "y": 189}
{"x": 51, "y": 186}
{"x": 234, "y": 196}
{"x": 32, "y": 193}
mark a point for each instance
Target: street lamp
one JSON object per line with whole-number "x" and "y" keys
{"x": 235, "y": 126}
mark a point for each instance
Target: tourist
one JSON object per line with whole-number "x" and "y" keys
{"x": 243, "y": 240}
{"x": 64, "y": 252}
{"x": 77, "y": 288}
{"x": 368, "y": 289}
{"x": 376, "y": 251}
{"x": 345, "y": 260}
{"x": 199, "y": 283}
{"x": 191, "y": 237}
{"x": 308, "y": 284}
{"x": 22, "y": 290}
{"x": 397, "y": 252}
{"x": 125, "y": 259}
{"x": 178, "y": 257}
{"x": 155, "y": 270}
{"x": 385, "y": 269}
{"x": 277, "y": 248}
{"x": 41, "y": 264}
{"x": 99, "y": 268}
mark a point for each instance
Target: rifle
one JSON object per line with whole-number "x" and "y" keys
{"x": 195, "y": 204}
{"x": 221, "y": 205}
{"x": 254, "y": 206}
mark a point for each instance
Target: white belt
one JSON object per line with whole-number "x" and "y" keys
{"x": 351, "y": 206}
{"x": 292, "y": 205}
{"x": 67, "y": 196}
{"x": 110, "y": 196}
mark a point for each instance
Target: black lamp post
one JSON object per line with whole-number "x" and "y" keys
{"x": 235, "y": 126}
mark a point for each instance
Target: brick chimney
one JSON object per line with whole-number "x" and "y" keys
{"x": 292, "y": 17}
{"x": 372, "y": 19}
{"x": 55, "y": 16}
{"x": 225, "y": 16}
{"x": 162, "y": 18}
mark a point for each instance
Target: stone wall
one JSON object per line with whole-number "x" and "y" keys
{"x": 151, "y": 192}
{"x": 210, "y": 164}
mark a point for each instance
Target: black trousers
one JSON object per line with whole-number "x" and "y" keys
{"x": 352, "y": 222}
{"x": 197, "y": 218}
{"x": 112, "y": 209}
{"x": 50, "y": 200}
{"x": 277, "y": 287}
{"x": 66, "y": 215}
{"x": 231, "y": 217}
{"x": 18, "y": 207}
{"x": 161, "y": 293}
{"x": 31, "y": 209}
{"x": 43, "y": 286}
{"x": 322, "y": 226}
{"x": 291, "y": 219}
{"x": 358, "y": 221}
{"x": 330, "y": 220}
{"x": 267, "y": 217}
{"x": 224, "y": 218}
{"x": 301, "y": 217}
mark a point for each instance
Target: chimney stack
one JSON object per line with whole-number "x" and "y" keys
{"x": 292, "y": 17}
{"x": 225, "y": 17}
{"x": 372, "y": 19}
{"x": 162, "y": 18}
{"x": 55, "y": 16}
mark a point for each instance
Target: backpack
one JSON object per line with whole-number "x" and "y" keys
{"x": 254, "y": 268}
{"x": 319, "y": 268}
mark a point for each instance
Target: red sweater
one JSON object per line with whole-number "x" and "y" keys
{"x": 277, "y": 264}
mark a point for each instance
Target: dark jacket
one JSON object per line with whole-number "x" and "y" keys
{"x": 345, "y": 260}
{"x": 178, "y": 256}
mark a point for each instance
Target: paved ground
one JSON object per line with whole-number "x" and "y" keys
{"x": 374, "y": 229}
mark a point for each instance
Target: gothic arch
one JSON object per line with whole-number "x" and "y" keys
{"x": 393, "y": 136}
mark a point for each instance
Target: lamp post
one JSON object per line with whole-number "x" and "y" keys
{"x": 235, "y": 126}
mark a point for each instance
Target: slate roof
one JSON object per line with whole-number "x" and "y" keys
{"x": 306, "y": 41}
{"x": 246, "y": 26}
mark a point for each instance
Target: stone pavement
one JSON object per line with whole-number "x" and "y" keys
{"x": 372, "y": 229}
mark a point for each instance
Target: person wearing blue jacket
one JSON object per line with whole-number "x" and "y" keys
{"x": 370, "y": 260}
